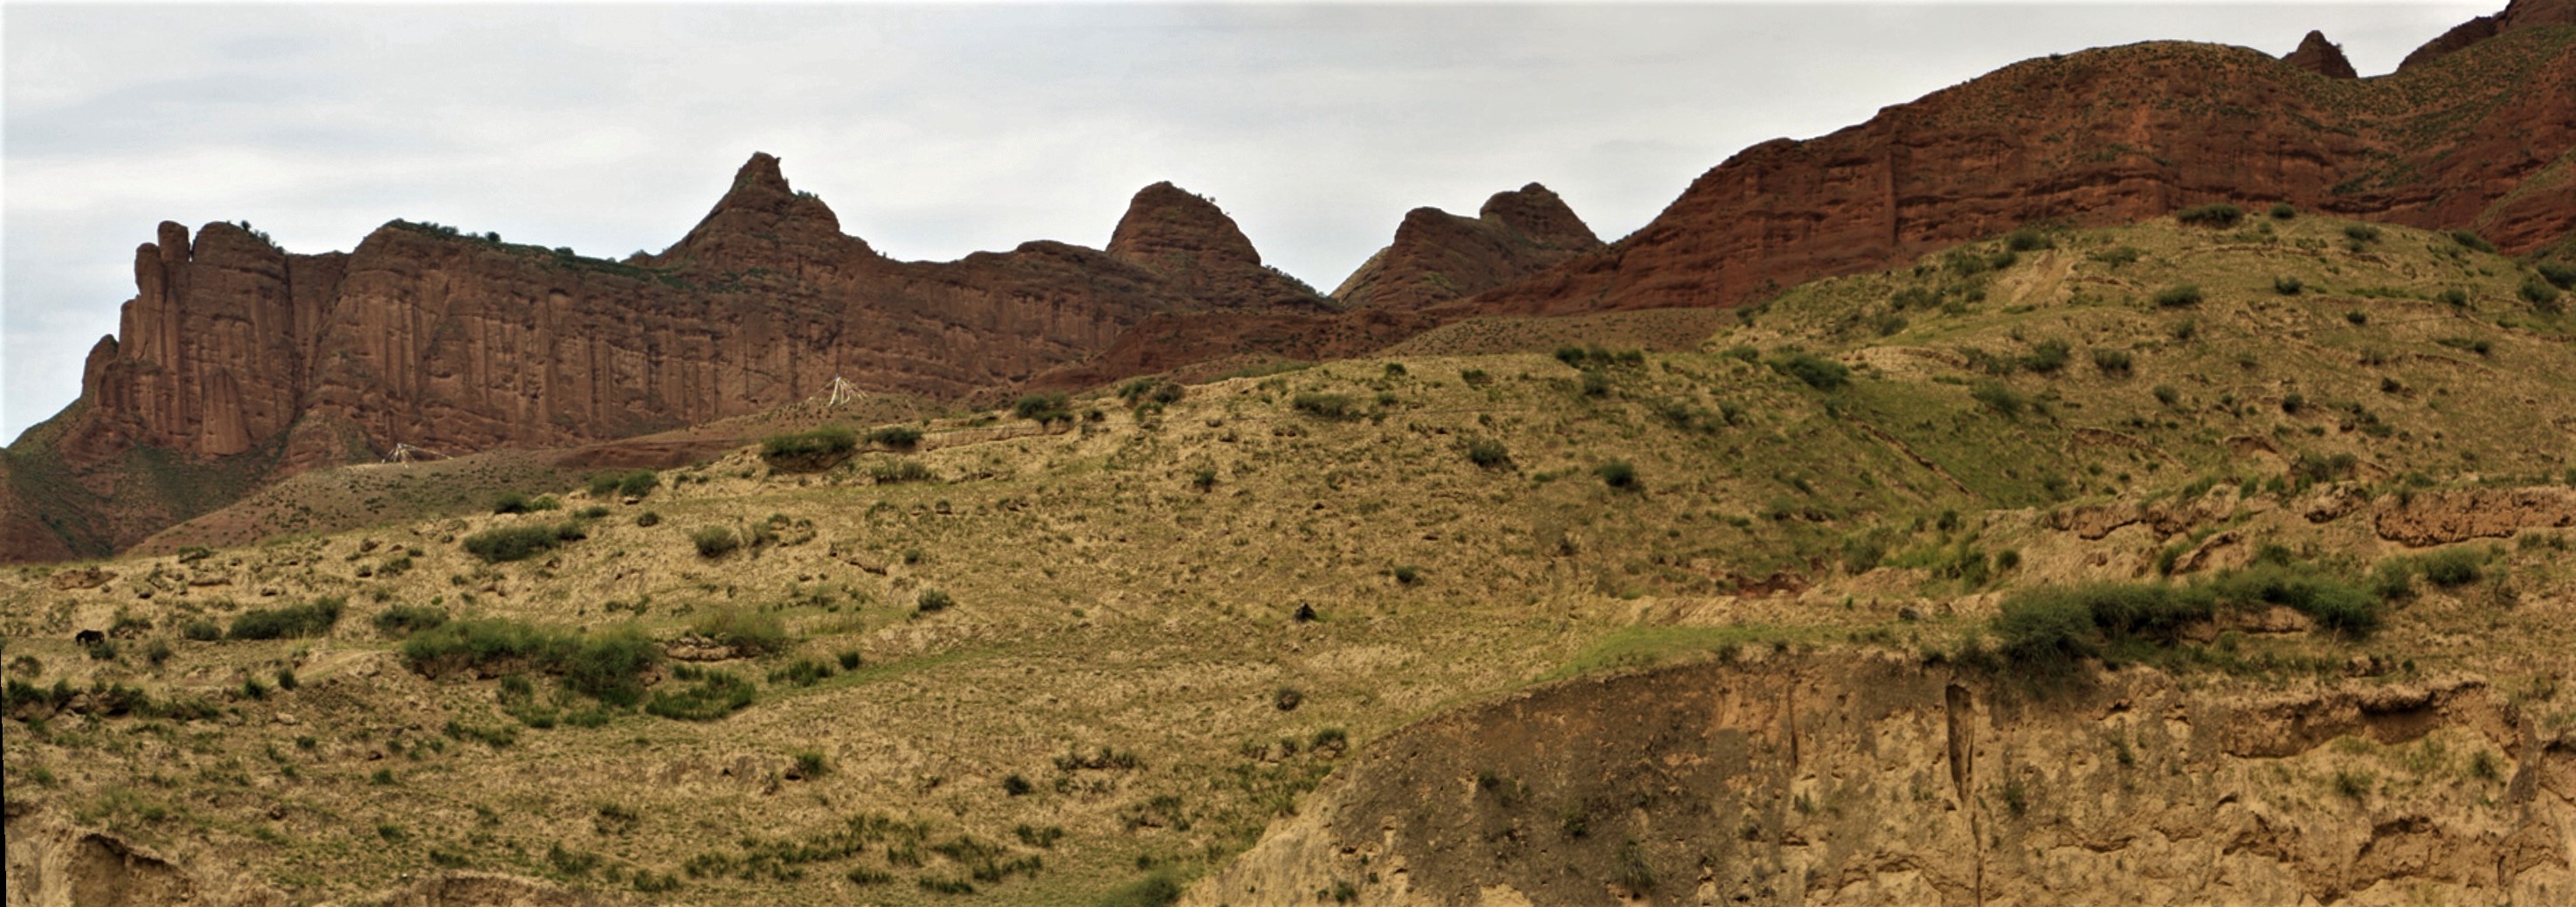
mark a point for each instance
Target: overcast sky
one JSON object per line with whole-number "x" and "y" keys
{"x": 935, "y": 131}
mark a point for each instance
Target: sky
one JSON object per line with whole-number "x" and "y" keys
{"x": 938, "y": 130}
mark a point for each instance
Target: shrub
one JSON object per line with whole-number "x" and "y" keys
{"x": 1488, "y": 453}
{"x": 902, "y": 470}
{"x": 806, "y": 447}
{"x": 933, "y": 600}
{"x": 2473, "y": 241}
{"x": 2047, "y": 357}
{"x": 803, "y": 672}
{"x": 2538, "y": 291}
{"x": 201, "y": 630}
{"x": 2167, "y": 395}
{"x": 1157, "y": 890}
{"x": 747, "y": 630}
{"x": 494, "y": 645}
{"x": 2455, "y": 297}
{"x": 2118, "y": 256}
{"x": 2178, "y": 296}
{"x": 2393, "y": 580}
{"x": 404, "y": 620}
{"x": 2334, "y": 604}
{"x": 314, "y": 618}
{"x": 714, "y": 541}
{"x": 1818, "y": 372}
{"x": 511, "y": 543}
{"x": 2027, "y": 239}
{"x": 2361, "y": 233}
{"x": 2287, "y": 286}
{"x": 1617, "y": 474}
{"x": 2110, "y": 361}
{"x": 2283, "y": 211}
{"x": 715, "y": 695}
{"x": 849, "y": 659}
{"x": 2453, "y": 567}
{"x": 1044, "y": 409}
{"x": 897, "y": 437}
{"x": 513, "y": 502}
{"x": 1329, "y": 406}
{"x": 609, "y": 666}
{"x": 630, "y": 483}
{"x": 648, "y": 519}
{"x": 2217, "y": 214}
{"x": 2558, "y": 275}
{"x": 1996, "y": 396}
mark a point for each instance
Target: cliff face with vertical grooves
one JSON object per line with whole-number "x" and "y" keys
{"x": 2479, "y": 139}
{"x": 237, "y": 355}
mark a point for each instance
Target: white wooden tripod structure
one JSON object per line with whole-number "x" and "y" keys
{"x": 405, "y": 453}
{"x": 843, "y": 391}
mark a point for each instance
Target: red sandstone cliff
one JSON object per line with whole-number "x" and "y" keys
{"x": 1437, "y": 256}
{"x": 238, "y": 357}
{"x": 2099, "y": 137}
{"x": 2517, "y": 14}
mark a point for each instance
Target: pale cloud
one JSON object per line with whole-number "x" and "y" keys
{"x": 940, "y": 130}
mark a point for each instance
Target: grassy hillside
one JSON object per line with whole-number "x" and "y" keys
{"x": 1083, "y": 652}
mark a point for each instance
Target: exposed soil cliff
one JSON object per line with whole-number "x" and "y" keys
{"x": 2107, "y": 136}
{"x": 1795, "y": 782}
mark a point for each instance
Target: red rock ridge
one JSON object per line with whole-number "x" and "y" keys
{"x": 234, "y": 349}
{"x": 2516, "y": 14}
{"x": 2098, "y": 137}
{"x": 2318, "y": 55}
{"x": 1437, "y": 256}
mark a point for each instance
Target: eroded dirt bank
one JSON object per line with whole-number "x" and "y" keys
{"x": 53, "y": 862}
{"x": 1868, "y": 781}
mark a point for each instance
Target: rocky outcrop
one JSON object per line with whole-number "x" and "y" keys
{"x": 2516, "y": 14}
{"x": 2104, "y": 136}
{"x": 1187, "y": 239}
{"x": 2318, "y": 55}
{"x": 1793, "y": 781}
{"x": 1437, "y": 256}
{"x": 236, "y": 351}
{"x": 2442, "y": 517}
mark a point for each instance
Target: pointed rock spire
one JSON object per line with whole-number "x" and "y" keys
{"x": 2323, "y": 57}
{"x": 762, "y": 221}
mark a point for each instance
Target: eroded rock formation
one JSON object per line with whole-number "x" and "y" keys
{"x": 1437, "y": 256}
{"x": 2318, "y": 55}
{"x": 2105, "y": 136}
{"x": 235, "y": 351}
